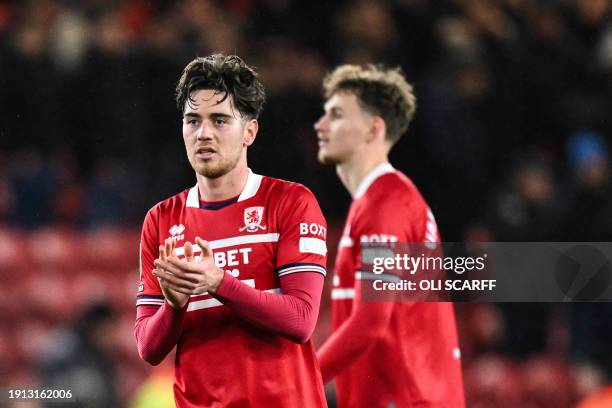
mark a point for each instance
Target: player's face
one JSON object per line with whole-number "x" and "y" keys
{"x": 342, "y": 128}
{"x": 215, "y": 134}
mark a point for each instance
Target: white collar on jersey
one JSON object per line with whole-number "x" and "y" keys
{"x": 375, "y": 173}
{"x": 250, "y": 189}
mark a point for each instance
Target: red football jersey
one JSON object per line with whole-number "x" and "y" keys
{"x": 274, "y": 228}
{"x": 417, "y": 362}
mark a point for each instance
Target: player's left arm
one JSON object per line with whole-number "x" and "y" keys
{"x": 300, "y": 265}
{"x": 293, "y": 313}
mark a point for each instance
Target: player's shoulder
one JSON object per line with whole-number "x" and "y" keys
{"x": 390, "y": 209}
{"x": 393, "y": 189}
{"x": 287, "y": 190}
{"x": 176, "y": 201}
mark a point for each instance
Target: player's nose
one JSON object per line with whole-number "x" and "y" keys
{"x": 320, "y": 124}
{"x": 205, "y": 132}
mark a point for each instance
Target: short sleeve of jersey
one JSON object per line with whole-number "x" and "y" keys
{"x": 303, "y": 232}
{"x": 149, "y": 291}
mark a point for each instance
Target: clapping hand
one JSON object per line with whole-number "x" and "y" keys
{"x": 184, "y": 277}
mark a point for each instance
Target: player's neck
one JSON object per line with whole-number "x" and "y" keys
{"x": 353, "y": 172}
{"x": 225, "y": 187}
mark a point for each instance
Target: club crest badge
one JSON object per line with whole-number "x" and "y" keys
{"x": 253, "y": 217}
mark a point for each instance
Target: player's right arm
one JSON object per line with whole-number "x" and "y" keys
{"x": 158, "y": 323}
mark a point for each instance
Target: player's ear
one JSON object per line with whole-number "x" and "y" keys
{"x": 378, "y": 128}
{"x": 250, "y": 131}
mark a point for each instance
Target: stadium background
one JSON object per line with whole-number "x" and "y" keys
{"x": 510, "y": 143}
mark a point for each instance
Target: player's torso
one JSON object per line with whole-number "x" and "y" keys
{"x": 397, "y": 368}
{"x": 272, "y": 229}
{"x": 243, "y": 236}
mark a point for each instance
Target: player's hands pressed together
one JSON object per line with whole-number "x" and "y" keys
{"x": 188, "y": 276}
{"x": 176, "y": 299}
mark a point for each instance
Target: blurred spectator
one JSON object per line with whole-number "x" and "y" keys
{"x": 80, "y": 360}
{"x": 34, "y": 186}
{"x": 367, "y": 32}
{"x": 525, "y": 209}
{"x": 591, "y": 202}
{"x": 112, "y": 194}
{"x": 68, "y": 201}
{"x": 453, "y": 113}
{"x": 7, "y": 198}
{"x": 590, "y": 220}
{"x": 528, "y": 205}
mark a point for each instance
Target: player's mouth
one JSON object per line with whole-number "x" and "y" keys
{"x": 323, "y": 141}
{"x": 205, "y": 153}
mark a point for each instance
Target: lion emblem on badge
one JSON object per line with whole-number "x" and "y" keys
{"x": 253, "y": 216}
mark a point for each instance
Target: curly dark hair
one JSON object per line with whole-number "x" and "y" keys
{"x": 379, "y": 90}
{"x": 227, "y": 74}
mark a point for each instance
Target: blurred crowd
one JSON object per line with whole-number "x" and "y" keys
{"x": 511, "y": 139}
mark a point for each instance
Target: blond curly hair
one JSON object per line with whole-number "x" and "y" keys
{"x": 380, "y": 91}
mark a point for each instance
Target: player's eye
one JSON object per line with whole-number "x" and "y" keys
{"x": 193, "y": 122}
{"x": 220, "y": 121}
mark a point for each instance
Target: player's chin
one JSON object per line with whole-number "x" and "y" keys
{"x": 211, "y": 170}
{"x": 201, "y": 167}
{"x": 327, "y": 159}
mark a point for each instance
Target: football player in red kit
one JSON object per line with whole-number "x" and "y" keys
{"x": 382, "y": 354}
{"x": 232, "y": 269}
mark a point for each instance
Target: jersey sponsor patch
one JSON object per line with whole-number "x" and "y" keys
{"x": 313, "y": 229}
{"x": 234, "y": 241}
{"x": 378, "y": 238}
{"x": 313, "y": 246}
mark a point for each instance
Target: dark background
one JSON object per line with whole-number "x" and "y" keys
{"x": 510, "y": 143}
